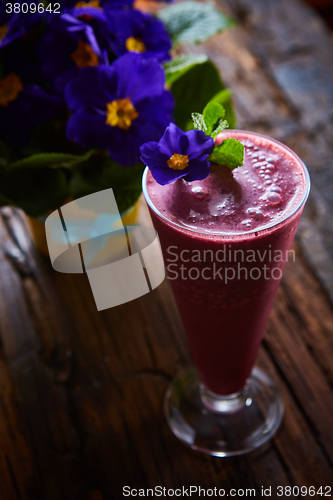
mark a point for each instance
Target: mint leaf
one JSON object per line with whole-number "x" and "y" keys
{"x": 229, "y": 153}
{"x": 224, "y": 97}
{"x": 211, "y": 121}
{"x": 199, "y": 122}
{"x": 178, "y": 66}
{"x": 212, "y": 114}
{"x": 222, "y": 125}
{"x": 193, "y": 22}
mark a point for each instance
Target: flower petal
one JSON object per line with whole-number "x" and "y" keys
{"x": 166, "y": 175}
{"x": 134, "y": 23}
{"x": 151, "y": 156}
{"x": 170, "y": 141}
{"x": 89, "y": 130}
{"x": 201, "y": 144}
{"x": 91, "y": 89}
{"x": 199, "y": 169}
{"x": 154, "y": 114}
{"x": 138, "y": 78}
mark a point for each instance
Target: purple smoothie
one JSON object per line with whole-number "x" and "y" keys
{"x": 225, "y": 241}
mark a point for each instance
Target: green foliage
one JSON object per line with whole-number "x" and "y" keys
{"x": 229, "y": 153}
{"x": 43, "y": 182}
{"x": 54, "y": 160}
{"x": 95, "y": 175}
{"x": 36, "y": 190}
{"x": 178, "y": 66}
{"x": 192, "y": 89}
{"x": 193, "y": 22}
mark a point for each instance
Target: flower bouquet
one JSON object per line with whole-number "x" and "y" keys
{"x": 83, "y": 84}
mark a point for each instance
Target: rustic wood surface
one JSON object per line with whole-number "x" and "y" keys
{"x": 81, "y": 392}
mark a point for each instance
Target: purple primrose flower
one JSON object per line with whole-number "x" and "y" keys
{"x": 135, "y": 31}
{"x": 23, "y": 107}
{"x": 119, "y": 107}
{"x": 68, "y": 45}
{"x": 178, "y": 155}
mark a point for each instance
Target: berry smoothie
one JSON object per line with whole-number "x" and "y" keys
{"x": 225, "y": 241}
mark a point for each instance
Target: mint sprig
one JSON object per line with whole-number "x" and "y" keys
{"x": 211, "y": 121}
{"x": 213, "y": 116}
{"x": 230, "y": 152}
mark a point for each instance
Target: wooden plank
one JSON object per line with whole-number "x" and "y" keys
{"x": 304, "y": 461}
{"x": 17, "y": 474}
{"x": 42, "y": 403}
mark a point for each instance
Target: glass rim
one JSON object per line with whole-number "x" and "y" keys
{"x": 256, "y": 231}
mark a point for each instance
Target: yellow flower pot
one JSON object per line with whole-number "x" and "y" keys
{"x": 37, "y": 226}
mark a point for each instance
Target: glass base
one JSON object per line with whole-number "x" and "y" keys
{"x": 223, "y": 426}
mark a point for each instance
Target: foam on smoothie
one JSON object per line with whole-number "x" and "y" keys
{"x": 266, "y": 189}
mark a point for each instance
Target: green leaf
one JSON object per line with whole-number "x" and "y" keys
{"x": 178, "y": 66}
{"x": 212, "y": 114}
{"x": 36, "y": 190}
{"x": 94, "y": 176}
{"x": 5, "y": 154}
{"x": 222, "y": 125}
{"x": 224, "y": 97}
{"x": 229, "y": 153}
{"x": 193, "y": 89}
{"x": 211, "y": 121}
{"x": 199, "y": 122}
{"x": 193, "y": 22}
{"x": 54, "y": 160}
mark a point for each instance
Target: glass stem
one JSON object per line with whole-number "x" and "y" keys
{"x": 230, "y": 403}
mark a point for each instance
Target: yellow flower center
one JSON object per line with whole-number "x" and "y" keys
{"x": 121, "y": 113}
{"x": 178, "y": 162}
{"x": 90, "y": 3}
{"x": 10, "y": 87}
{"x": 3, "y": 31}
{"x": 84, "y": 55}
{"x": 135, "y": 45}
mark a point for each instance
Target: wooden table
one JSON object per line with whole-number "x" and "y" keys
{"x": 81, "y": 392}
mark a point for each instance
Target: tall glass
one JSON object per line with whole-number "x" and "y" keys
{"x": 225, "y": 406}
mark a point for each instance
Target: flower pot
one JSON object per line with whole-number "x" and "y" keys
{"x": 37, "y": 226}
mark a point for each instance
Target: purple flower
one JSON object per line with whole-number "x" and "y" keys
{"x": 68, "y": 45}
{"x": 24, "y": 104}
{"x": 14, "y": 26}
{"x": 135, "y": 31}
{"x": 23, "y": 107}
{"x": 178, "y": 154}
{"x": 119, "y": 107}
